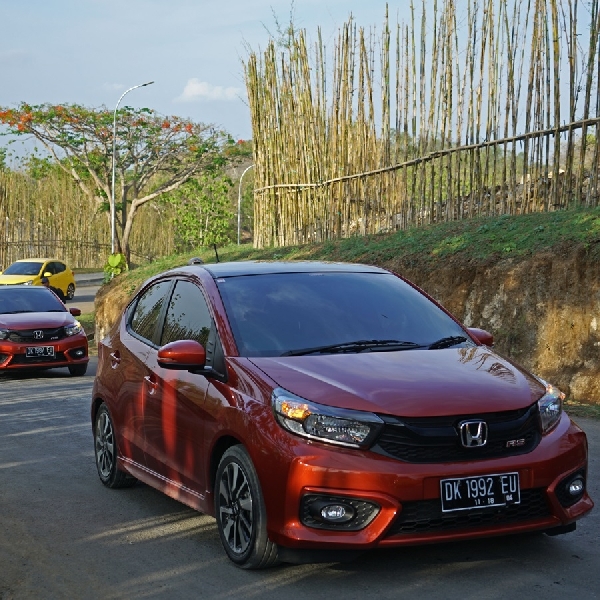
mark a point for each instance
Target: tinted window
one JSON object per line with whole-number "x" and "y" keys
{"x": 34, "y": 299}
{"x": 276, "y": 313}
{"x": 57, "y": 267}
{"x": 148, "y": 308}
{"x": 23, "y": 268}
{"x": 187, "y": 317}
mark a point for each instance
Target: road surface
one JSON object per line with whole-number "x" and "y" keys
{"x": 64, "y": 535}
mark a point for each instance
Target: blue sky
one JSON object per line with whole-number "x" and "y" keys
{"x": 90, "y": 51}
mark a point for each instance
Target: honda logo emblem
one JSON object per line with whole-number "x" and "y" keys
{"x": 38, "y": 334}
{"x": 473, "y": 434}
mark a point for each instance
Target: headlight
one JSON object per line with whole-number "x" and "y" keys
{"x": 73, "y": 329}
{"x": 550, "y": 407}
{"x": 332, "y": 425}
{"x": 29, "y": 282}
{"x": 3, "y": 334}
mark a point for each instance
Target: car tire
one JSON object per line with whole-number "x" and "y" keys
{"x": 106, "y": 452}
{"x": 241, "y": 513}
{"x": 70, "y": 291}
{"x": 78, "y": 370}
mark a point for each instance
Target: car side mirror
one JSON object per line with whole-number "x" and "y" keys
{"x": 47, "y": 274}
{"x": 184, "y": 355}
{"x": 76, "y": 312}
{"x": 482, "y": 336}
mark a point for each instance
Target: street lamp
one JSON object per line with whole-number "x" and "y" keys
{"x": 240, "y": 201}
{"x": 114, "y": 150}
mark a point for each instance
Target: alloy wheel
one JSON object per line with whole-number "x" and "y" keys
{"x": 105, "y": 445}
{"x": 235, "y": 508}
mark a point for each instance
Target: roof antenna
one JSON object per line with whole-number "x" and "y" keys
{"x": 216, "y": 253}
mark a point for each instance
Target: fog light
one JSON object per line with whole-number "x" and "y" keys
{"x": 571, "y": 489}
{"x": 337, "y": 513}
{"x": 78, "y": 353}
{"x": 576, "y": 486}
{"x": 323, "y": 511}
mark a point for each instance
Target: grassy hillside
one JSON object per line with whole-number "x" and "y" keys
{"x": 477, "y": 241}
{"x": 462, "y": 244}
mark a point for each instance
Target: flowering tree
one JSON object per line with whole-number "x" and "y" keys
{"x": 153, "y": 154}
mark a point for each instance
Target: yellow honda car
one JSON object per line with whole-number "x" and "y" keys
{"x": 29, "y": 271}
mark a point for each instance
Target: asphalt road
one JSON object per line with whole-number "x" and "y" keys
{"x": 64, "y": 535}
{"x": 87, "y": 285}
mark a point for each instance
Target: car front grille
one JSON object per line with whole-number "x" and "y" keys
{"x": 426, "y": 516}
{"x": 436, "y": 439}
{"x": 27, "y": 336}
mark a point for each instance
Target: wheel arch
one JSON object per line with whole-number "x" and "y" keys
{"x": 95, "y": 407}
{"x": 221, "y": 446}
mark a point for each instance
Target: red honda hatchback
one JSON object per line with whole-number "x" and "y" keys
{"x": 38, "y": 332}
{"x": 318, "y": 407}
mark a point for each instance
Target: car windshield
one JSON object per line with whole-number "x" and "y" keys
{"x": 308, "y": 313}
{"x": 23, "y": 299}
{"x": 23, "y": 268}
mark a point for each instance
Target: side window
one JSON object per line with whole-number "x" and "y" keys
{"x": 47, "y": 268}
{"x": 58, "y": 267}
{"x": 188, "y": 317}
{"x": 148, "y": 309}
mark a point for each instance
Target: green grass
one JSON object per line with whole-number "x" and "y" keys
{"x": 478, "y": 240}
{"x": 577, "y": 409}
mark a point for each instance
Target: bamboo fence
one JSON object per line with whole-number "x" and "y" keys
{"x": 51, "y": 217}
{"x": 472, "y": 108}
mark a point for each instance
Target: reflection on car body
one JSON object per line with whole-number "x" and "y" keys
{"x": 325, "y": 406}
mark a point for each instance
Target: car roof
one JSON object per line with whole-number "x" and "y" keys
{"x": 37, "y": 259}
{"x": 236, "y": 269}
{"x": 28, "y": 289}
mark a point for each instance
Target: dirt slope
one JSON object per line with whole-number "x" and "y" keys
{"x": 544, "y": 310}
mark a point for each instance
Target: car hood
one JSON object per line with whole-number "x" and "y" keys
{"x": 409, "y": 383}
{"x": 15, "y": 279}
{"x": 36, "y": 320}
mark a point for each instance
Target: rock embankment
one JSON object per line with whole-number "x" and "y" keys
{"x": 544, "y": 310}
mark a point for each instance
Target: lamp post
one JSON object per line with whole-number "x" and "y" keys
{"x": 240, "y": 202}
{"x": 114, "y": 151}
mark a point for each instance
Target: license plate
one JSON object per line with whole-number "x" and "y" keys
{"x": 485, "y": 491}
{"x": 37, "y": 351}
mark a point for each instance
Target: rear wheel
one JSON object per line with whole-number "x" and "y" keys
{"x": 241, "y": 514}
{"x": 105, "y": 449}
{"x": 70, "y": 291}
{"x": 78, "y": 370}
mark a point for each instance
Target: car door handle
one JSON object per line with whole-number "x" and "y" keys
{"x": 115, "y": 360}
{"x": 152, "y": 385}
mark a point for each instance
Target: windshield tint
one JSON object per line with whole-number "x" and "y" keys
{"x": 16, "y": 299}
{"x": 23, "y": 268}
{"x": 274, "y": 314}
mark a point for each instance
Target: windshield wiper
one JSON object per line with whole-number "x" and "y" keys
{"x": 358, "y": 346}
{"x": 446, "y": 342}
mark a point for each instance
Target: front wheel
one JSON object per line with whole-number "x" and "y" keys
{"x": 78, "y": 370}
{"x": 70, "y": 291}
{"x": 241, "y": 514}
{"x": 105, "y": 449}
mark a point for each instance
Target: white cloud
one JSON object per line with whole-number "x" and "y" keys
{"x": 113, "y": 87}
{"x": 201, "y": 90}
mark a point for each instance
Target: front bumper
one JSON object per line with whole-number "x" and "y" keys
{"x": 67, "y": 352}
{"x": 408, "y": 495}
